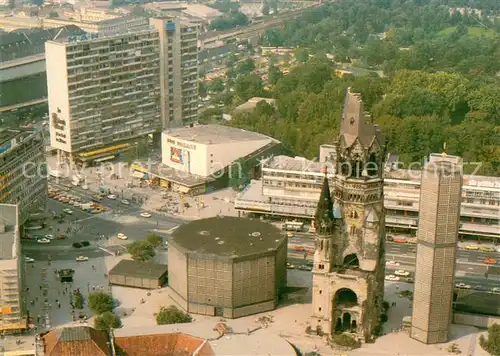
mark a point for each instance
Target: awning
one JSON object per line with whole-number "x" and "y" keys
{"x": 138, "y": 174}
{"x": 183, "y": 189}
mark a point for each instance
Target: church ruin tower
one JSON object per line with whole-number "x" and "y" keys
{"x": 348, "y": 295}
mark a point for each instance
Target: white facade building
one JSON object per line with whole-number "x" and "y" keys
{"x": 290, "y": 187}
{"x": 206, "y": 150}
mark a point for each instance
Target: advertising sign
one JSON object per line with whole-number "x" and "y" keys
{"x": 176, "y": 155}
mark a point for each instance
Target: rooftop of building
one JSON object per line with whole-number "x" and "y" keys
{"x": 469, "y": 180}
{"x": 7, "y": 135}
{"x": 23, "y": 43}
{"x": 154, "y": 342}
{"x": 8, "y": 226}
{"x": 216, "y": 134}
{"x": 296, "y": 164}
{"x": 80, "y": 340}
{"x": 89, "y": 37}
{"x": 228, "y": 236}
{"x": 139, "y": 269}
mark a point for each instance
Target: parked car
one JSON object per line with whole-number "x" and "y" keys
{"x": 68, "y": 211}
{"x": 43, "y": 240}
{"x": 77, "y": 245}
{"x": 29, "y": 259}
{"x": 487, "y": 249}
{"x": 112, "y": 196}
{"x": 122, "y": 236}
{"x": 85, "y": 243}
{"x": 125, "y": 202}
{"x": 82, "y": 258}
{"x": 391, "y": 277}
{"x": 392, "y": 263}
{"x": 462, "y": 286}
{"x": 472, "y": 247}
{"x": 146, "y": 215}
{"x": 490, "y": 261}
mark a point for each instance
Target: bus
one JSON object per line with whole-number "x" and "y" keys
{"x": 293, "y": 226}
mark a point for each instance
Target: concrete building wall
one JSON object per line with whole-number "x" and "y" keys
{"x": 436, "y": 249}
{"x": 210, "y": 281}
{"x": 177, "y": 271}
{"x": 480, "y": 321}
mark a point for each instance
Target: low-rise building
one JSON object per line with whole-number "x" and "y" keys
{"x": 227, "y": 266}
{"x": 138, "y": 274}
{"x": 12, "y": 316}
{"x": 23, "y": 171}
{"x": 203, "y": 157}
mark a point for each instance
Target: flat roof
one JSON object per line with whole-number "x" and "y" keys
{"x": 215, "y": 134}
{"x": 228, "y": 236}
{"x": 8, "y": 219}
{"x": 139, "y": 269}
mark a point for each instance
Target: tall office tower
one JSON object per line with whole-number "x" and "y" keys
{"x": 23, "y": 173}
{"x": 440, "y": 197}
{"x": 348, "y": 272}
{"x": 179, "y": 71}
{"x": 12, "y": 315}
{"x": 103, "y": 92}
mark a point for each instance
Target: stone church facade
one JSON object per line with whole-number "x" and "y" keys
{"x": 348, "y": 272}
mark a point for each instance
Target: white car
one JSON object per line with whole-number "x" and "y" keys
{"x": 68, "y": 211}
{"x": 495, "y": 290}
{"x": 28, "y": 259}
{"x": 392, "y": 263}
{"x": 146, "y": 215}
{"x": 82, "y": 258}
{"x": 402, "y": 272}
{"x": 50, "y": 237}
{"x": 112, "y": 196}
{"x": 125, "y": 202}
{"x": 43, "y": 241}
{"x": 392, "y": 277}
{"x": 463, "y": 286}
{"x": 85, "y": 187}
{"x": 77, "y": 204}
{"x": 122, "y": 236}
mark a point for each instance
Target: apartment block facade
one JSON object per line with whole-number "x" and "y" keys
{"x": 103, "y": 91}
{"x": 179, "y": 70}
{"x": 23, "y": 178}
{"x": 11, "y": 308}
{"x": 437, "y": 239}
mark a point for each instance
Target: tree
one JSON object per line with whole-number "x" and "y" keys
{"x": 302, "y": 55}
{"x": 274, "y": 75}
{"x": 246, "y": 66}
{"x": 248, "y": 86}
{"x": 100, "y": 302}
{"x": 172, "y": 315}
{"x": 154, "y": 240}
{"x": 492, "y": 344}
{"x": 107, "y": 321}
{"x": 141, "y": 250}
{"x": 216, "y": 85}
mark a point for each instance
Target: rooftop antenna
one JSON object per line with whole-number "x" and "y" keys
{"x": 444, "y": 154}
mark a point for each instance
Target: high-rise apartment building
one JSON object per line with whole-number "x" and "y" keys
{"x": 103, "y": 91}
{"x": 23, "y": 177}
{"x": 11, "y": 309}
{"x": 179, "y": 70}
{"x": 437, "y": 235}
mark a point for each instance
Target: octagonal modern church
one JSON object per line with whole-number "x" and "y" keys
{"x": 227, "y": 266}
{"x": 349, "y": 266}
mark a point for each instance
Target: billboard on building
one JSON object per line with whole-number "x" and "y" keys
{"x": 176, "y": 155}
